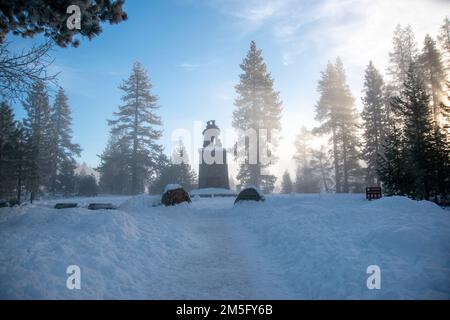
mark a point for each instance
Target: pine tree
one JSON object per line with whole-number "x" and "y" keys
{"x": 303, "y": 150}
{"x": 29, "y": 18}
{"x": 87, "y": 185}
{"x": 439, "y": 156}
{"x": 8, "y": 145}
{"x": 63, "y": 149}
{"x": 308, "y": 171}
{"x": 176, "y": 171}
{"x": 336, "y": 112}
{"x": 257, "y": 108}
{"x": 21, "y": 152}
{"x": 137, "y": 124}
{"x": 375, "y": 118}
{"x": 444, "y": 41}
{"x": 321, "y": 162}
{"x": 434, "y": 74}
{"x": 187, "y": 177}
{"x": 404, "y": 52}
{"x": 114, "y": 169}
{"x": 445, "y": 113}
{"x": 394, "y": 168}
{"x": 286, "y": 183}
{"x": 38, "y": 125}
{"x": 418, "y": 149}
{"x": 306, "y": 179}
{"x": 66, "y": 177}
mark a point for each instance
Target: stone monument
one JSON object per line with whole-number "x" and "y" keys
{"x": 213, "y": 168}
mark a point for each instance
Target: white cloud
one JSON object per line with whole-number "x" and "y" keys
{"x": 186, "y": 66}
{"x": 357, "y": 30}
{"x": 253, "y": 11}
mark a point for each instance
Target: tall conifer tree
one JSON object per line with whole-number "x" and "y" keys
{"x": 257, "y": 107}
{"x": 374, "y": 118}
{"x": 138, "y": 126}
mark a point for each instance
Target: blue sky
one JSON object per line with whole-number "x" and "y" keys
{"x": 192, "y": 51}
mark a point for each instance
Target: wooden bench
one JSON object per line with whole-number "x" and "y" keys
{"x": 373, "y": 193}
{"x": 65, "y": 205}
{"x": 101, "y": 206}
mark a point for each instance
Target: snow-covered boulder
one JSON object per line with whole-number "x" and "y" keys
{"x": 250, "y": 193}
{"x": 174, "y": 194}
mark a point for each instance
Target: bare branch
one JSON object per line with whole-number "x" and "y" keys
{"x": 18, "y": 71}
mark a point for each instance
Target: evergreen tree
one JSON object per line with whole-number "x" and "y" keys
{"x": 421, "y": 154}
{"x": 187, "y": 177}
{"x": 413, "y": 105}
{"x": 114, "y": 167}
{"x": 87, "y": 185}
{"x": 28, "y": 18}
{"x": 177, "y": 171}
{"x": 439, "y": 156}
{"x": 286, "y": 183}
{"x": 393, "y": 166}
{"x": 336, "y": 112}
{"x": 8, "y": 153}
{"x": 444, "y": 41}
{"x": 137, "y": 123}
{"x": 63, "y": 149}
{"x": 39, "y": 128}
{"x": 308, "y": 171}
{"x": 434, "y": 74}
{"x": 21, "y": 152}
{"x": 302, "y": 144}
{"x": 323, "y": 168}
{"x": 66, "y": 177}
{"x": 404, "y": 52}
{"x": 374, "y": 117}
{"x": 445, "y": 112}
{"x": 306, "y": 179}
{"x": 258, "y": 108}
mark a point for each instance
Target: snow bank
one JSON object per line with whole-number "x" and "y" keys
{"x": 122, "y": 254}
{"x": 324, "y": 244}
{"x": 290, "y": 246}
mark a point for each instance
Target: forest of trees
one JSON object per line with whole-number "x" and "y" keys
{"x": 400, "y": 140}
{"x": 37, "y": 155}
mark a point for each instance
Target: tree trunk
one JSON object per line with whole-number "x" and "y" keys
{"x": 345, "y": 162}
{"x": 337, "y": 176}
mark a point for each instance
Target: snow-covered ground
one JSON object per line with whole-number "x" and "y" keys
{"x": 288, "y": 247}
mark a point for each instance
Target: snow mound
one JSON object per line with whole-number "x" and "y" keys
{"x": 140, "y": 203}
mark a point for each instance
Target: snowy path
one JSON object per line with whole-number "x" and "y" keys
{"x": 290, "y": 247}
{"x": 229, "y": 265}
